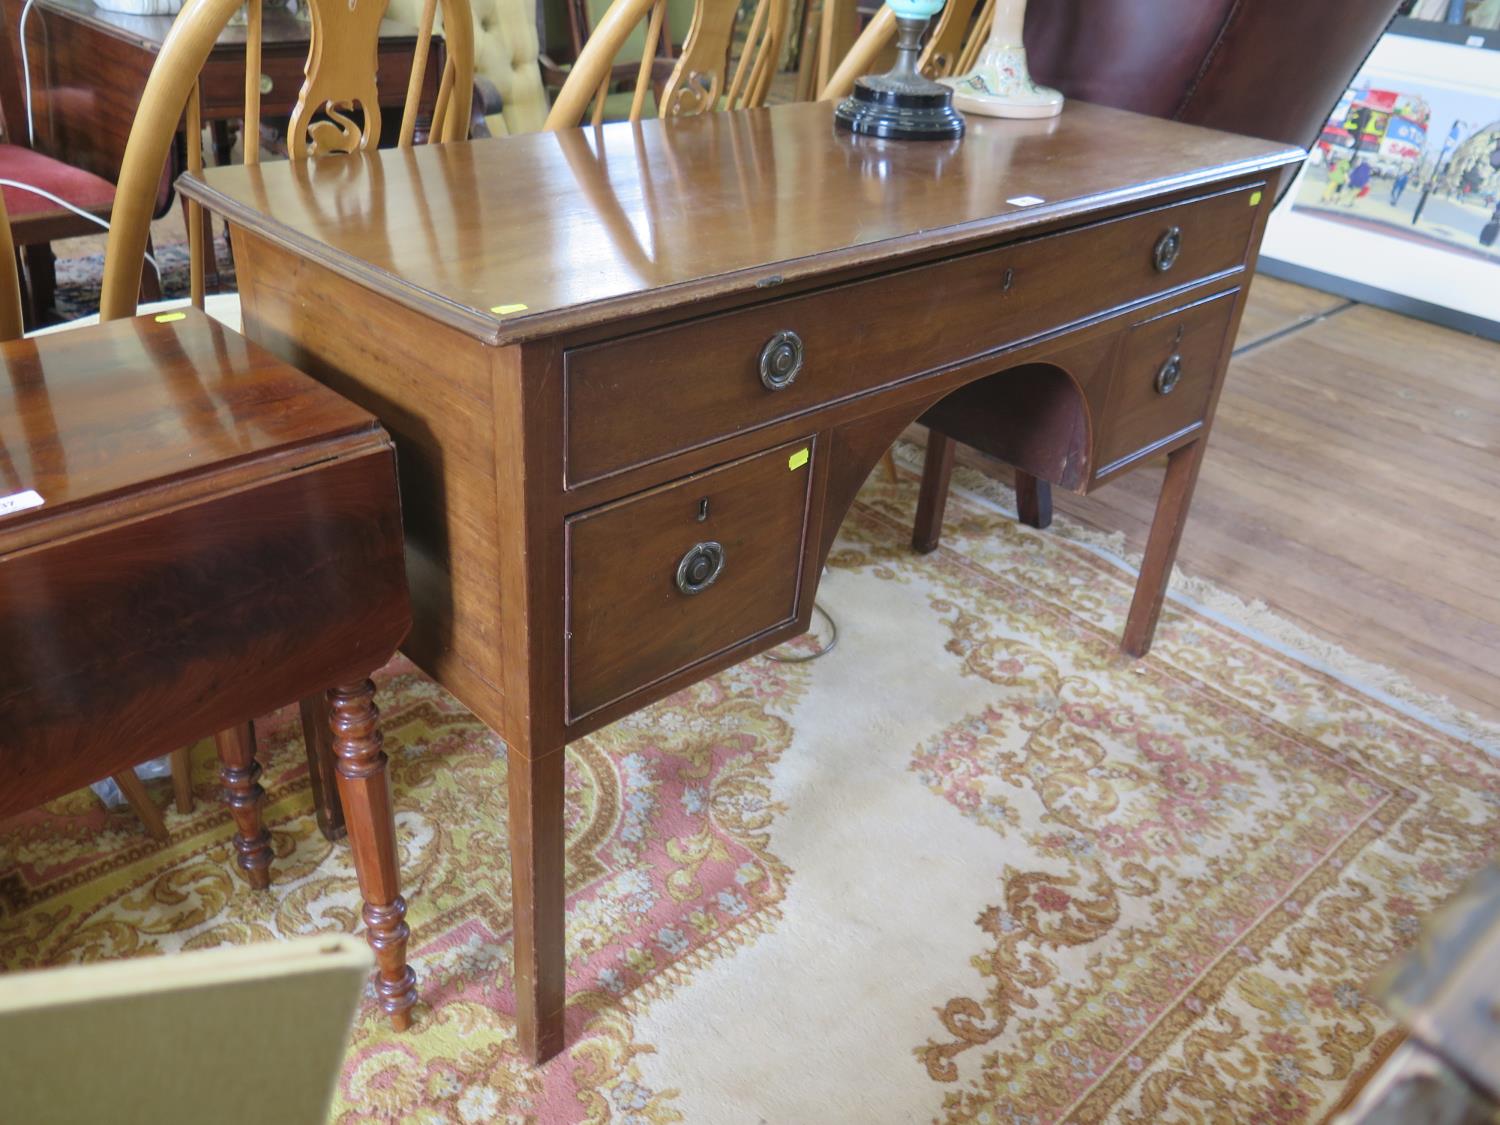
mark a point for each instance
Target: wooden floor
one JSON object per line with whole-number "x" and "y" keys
{"x": 1352, "y": 483}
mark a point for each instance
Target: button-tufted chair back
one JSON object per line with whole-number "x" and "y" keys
{"x": 506, "y": 52}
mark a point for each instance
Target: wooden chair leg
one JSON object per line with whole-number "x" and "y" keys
{"x": 1033, "y": 500}
{"x": 41, "y": 280}
{"x": 537, "y": 890}
{"x": 889, "y": 461}
{"x": 1161, "y": 547}
{"x": 150, "y": 282}
{"x": 937, "y": 470}
{"x": 317, "y": 740}
{"x": 182, "y": 778}
{"x": 366, "y": 791}
{"x": 135, "y": 792}
{"x": 240, "y": 773}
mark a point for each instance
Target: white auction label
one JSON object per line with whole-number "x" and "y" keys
{"x": 1026, "y": 201}
{"x": 20, "y": 501}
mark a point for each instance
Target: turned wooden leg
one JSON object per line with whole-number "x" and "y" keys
{"x": 1161, "y": 547}
{"x": 937, "y": 469}
{"x": 135, "y": 792}
{"x": 537, "y": 892}
{"x": 150, "y": 279}
{"x": 182, "y": 778}
{"x": 41, "y": 279}
{"x": 365, "y": 788}
{"x": 317, "y": 740}
{"x": 1033, "y": 500}
{"x": 240, "y": 773}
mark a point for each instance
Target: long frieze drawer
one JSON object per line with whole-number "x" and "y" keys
{"x": 636, "y": 399}
{"x": 1164, "y": 379}
{"x": 663, "y": 580}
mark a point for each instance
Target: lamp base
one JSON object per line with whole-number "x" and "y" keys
{"x": 1000, "y": 85}
{"x": 903, "y": 104}
{"x": 881, "y": 108}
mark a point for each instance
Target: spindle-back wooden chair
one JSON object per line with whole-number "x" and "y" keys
{"x": 340, "y": 80}
{"x": 700, "y": 81}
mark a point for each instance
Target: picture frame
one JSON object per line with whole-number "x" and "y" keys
{"x": 1398, "y": 204}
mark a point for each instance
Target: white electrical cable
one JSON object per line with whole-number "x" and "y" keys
{"x": 26, "y": 73}
{"x": 31, "y": 141}
{"x": 65, "y": 205}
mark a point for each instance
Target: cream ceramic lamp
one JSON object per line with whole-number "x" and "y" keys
{"x": 1000, "y": 84}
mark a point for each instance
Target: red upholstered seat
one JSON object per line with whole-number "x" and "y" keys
{"x": 80, "y": 188}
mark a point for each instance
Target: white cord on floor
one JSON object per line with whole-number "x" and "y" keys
{"x": 79, "y": 211}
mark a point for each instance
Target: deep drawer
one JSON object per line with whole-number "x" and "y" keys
{"x": 640, "y": 398}
{"x": 658, "y": 582}
{"x": 1164, "y": 379}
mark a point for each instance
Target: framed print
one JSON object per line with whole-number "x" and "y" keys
{"x": 1398, "y": 204}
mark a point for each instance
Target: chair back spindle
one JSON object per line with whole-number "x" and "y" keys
{"x": 700, "y": 80}
{"x": 10, "y": 281}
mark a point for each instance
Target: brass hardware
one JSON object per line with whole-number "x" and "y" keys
{"x": 1169, "y": 375}
{"x": 266, "y": 83}
{"x": 781, "y": 360}
{"x": 703, "y": 509}
{"x": 1010, "y": 279}
{"x": 1168, "y": 246}
{"x": 700, "y": 567}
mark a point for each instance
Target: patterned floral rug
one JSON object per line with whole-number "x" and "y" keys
{"x": 972, "y": 866}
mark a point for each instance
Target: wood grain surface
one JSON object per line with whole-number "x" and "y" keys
{"x": 561, "y": 230}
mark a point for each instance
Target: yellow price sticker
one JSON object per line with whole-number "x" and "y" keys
{"x": 168, "y": 318}
{"x": 506, "y": 310}
{"x": 798, "y": 459}
{"x": 1254, "y": 198}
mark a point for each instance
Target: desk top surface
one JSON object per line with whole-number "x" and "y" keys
{"x": 89, "y": 414}
{"x": 519, "y": 237}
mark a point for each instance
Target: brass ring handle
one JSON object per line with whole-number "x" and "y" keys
{"x": 700, "y": 567}
{"x": 1169, "y": 375}
{"x": 1168, "y": 246}
{"x": 781, "y": 360}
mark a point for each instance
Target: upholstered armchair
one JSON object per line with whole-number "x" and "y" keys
{"x": 506, "y": 54}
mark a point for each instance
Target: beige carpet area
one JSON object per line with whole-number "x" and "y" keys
{"x": 972, "y": 866}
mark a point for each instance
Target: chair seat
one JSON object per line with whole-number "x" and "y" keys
{"x": 80, "y": 188}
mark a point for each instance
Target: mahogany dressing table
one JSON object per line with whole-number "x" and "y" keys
{"x": 636, "y": 376}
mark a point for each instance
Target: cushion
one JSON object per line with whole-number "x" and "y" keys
{"x": 80, "y": 188}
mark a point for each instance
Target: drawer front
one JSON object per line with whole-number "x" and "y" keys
{"x": 660, "y": 581}
{"x": 640, "y": 398}
{"x": 282, "y": 73}
{"x": 1164, "y": 379}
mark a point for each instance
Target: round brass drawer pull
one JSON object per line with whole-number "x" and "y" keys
{"x": 700, "y": 567}
{"x": 1169, "y": 375}
{"x": 1168, "y": 246}
{"x": 781, "y": 360}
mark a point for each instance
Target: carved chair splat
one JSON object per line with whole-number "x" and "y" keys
{"x": 701, "y": 80}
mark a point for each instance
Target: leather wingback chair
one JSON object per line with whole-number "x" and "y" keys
{"x": 1268, "y": 68}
